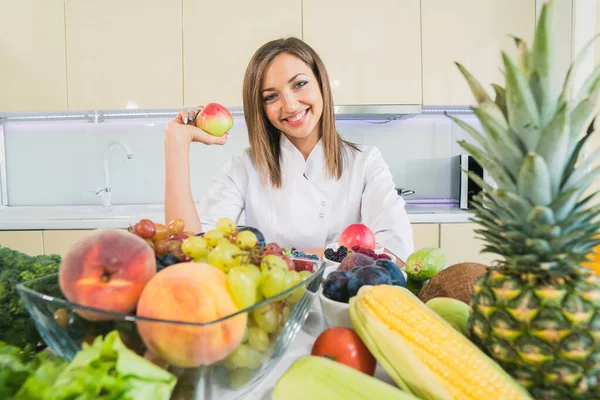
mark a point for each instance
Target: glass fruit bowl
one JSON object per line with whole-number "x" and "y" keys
{"x": 269, "y": 328}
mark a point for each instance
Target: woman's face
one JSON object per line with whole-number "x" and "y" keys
{"x": 292, "y": 98}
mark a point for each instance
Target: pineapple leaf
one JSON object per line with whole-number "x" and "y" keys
{"x": 523, "y": 55}
{"x": 485, "y": 144}
{"x": 582, "y": 218}
{"x": 490, "y": 235}
{"x": 580, "y": 173}
{"x": 540, "y": 215}
{"x": 514, "y": 236}
{"x": 564, "y": 202}
{"x": 497, "y": 171}
{"x": 584, "y": 112}
{"x": 500, "y": 210}
{"x": 479, "y": 181}
{"x": 500, "y": 99}
{"x": 554, "y": 145}
{"x": 543, "y": 80}
{"x": 482, "y": 212}
{"x": 538, "y": 246}
{"x": 522, "y": 110}
{"x": 519, "y": 205}
{"x": 534, "y": 180}
{"x": 547, "y": 231}
{"x": 582, "y": 205}
{"x": 588, "y": 84}
{"x": 586, "y": 180}
{"x": 486, "y": 223}
{"x": 575, "y": 155}
{"x": 506, "y": 145}
{"x": 574, "y": 66}
{"x": 481, "y": 97}
{"x": 491, "y": 249}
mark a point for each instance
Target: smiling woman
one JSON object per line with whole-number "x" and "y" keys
{"x": 299, "y": 182}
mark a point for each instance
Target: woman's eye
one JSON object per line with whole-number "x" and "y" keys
{"x": 269, "y": 97}
{"x": 301, "y": 83}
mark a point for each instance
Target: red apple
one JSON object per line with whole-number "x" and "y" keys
{"x": 214, "y": 119}
{"x": 107, "y": 269}
{"x": 357, "y": 235}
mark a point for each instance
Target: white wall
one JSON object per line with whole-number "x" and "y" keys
{"x": 60, "y": 163}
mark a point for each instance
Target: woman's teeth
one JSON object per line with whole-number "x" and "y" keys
{"x": 297, "y": 117}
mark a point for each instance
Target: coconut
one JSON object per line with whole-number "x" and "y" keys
{"x": 455, "y": 282}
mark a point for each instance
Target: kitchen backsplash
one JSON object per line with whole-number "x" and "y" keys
{"x": 61, "y": 163}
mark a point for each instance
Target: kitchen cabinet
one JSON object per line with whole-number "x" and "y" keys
{"x": 28, "y": 242}
{"x": 59, "y": 241}
{"x": 32, "y": 72}
{"x": 372, "y": 50}
{"x": 459, "y": 243}
{"x": 472, "y": 32}
{"x": 124, "y": 54}
{"x": 220, "y": 37}
{"x": 426, "y": 235}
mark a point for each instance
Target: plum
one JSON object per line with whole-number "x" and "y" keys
{"x": 370, "y": 275}
{"x": 336, "y": 286}
{"x": 392, "y": 268}
{"x": 355, "y": 260}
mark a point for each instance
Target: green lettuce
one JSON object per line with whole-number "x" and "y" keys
{"x": 104, "y": 370}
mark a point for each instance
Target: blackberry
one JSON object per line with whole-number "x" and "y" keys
{"x": 343, "y": 251}
{"x": 329, "y": 254}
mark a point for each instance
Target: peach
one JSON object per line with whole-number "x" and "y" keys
{"x": 106, "y": 269}
{"x": 191, "y": 293}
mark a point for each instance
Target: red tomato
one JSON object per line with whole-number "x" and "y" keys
{"x": 345, "y": 346}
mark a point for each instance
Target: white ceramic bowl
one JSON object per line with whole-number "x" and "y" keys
{"x": 336, "y": 313}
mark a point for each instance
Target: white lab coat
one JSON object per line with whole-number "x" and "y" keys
{"x": 311, "y": 210}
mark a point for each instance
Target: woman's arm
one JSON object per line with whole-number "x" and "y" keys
{"x": 179, "y": 203}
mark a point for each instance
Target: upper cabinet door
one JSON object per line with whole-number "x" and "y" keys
{"x": 220, "y": 37}
{"x": 124, "y": 54}
{"x": 472, "y": 32}
{"x": 372, "y": 50}
{"x": 32, "y": 52}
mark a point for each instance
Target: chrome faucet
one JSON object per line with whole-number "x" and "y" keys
{"x": 105, "y": 192}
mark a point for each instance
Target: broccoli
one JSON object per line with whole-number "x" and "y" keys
{"x": 16, "y": 325}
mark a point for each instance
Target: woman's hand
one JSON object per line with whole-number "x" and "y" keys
{"x": 182, "y": 127}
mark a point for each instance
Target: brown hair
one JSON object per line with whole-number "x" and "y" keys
{"x": 263, "y": 136}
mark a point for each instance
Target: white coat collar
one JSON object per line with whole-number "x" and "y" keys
{"x": 294, "y": 158}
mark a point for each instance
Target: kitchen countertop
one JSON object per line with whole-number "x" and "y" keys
{"x": 122, "y": 216}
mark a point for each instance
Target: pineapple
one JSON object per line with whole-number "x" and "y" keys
{"x": 537, "y": 312}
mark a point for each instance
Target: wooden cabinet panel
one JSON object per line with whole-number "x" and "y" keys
{"x": 33, "y": 74}
{"x": 372, "y": 50}
{"x": 426, "y": 235}
{"x": 460, "y": 245}
{"x": 124, "y": 54}
{"x": 220, "y": 37}
{"x": 28, "y": 242}
{"x": 472, "y": 32}
{"x": 59, "y": 241}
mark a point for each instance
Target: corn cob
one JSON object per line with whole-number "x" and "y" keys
{"x": 422, "y": 352}
{"x": 319, "y": 378}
